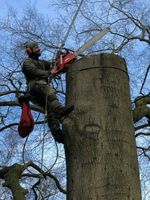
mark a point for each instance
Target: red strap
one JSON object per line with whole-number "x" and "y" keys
{"x": 26, "y": 123}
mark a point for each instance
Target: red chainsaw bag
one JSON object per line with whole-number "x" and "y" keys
{"x": 26, "y": 123}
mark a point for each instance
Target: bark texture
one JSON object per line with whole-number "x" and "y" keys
{"x": 99, "y": 135}
{"x": 141, "y": 108}
{"x": 12, "y": 176}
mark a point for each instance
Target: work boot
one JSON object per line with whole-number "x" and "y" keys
{"x": 62, "y": 112}
{"x": 57, "y": 133}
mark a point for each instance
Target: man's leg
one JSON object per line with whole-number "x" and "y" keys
{"x": 46, "y": 97}
{"x": 60, "y": 112}
{"x": 55, "y": 129}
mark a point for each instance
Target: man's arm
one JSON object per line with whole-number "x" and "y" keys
{"x": 48, "y": 64}
{"x": 31, "y": 71}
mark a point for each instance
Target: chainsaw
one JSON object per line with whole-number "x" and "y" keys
{"x": 64, "y": 61}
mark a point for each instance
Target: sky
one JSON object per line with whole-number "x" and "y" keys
{"x": 42, "y": 5}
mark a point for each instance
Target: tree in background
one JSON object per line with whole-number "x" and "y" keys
{"x": 129, "y": 37}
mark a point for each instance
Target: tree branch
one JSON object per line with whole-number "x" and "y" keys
{"x": 16, "y": 103}
{"x": 141, "y": 109}
{"x": 49, "y": 175}
{"x": 13, "y": 174}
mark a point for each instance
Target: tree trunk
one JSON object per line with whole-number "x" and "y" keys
{"x": 99, "y": 136}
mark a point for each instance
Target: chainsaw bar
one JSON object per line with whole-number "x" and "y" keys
{"x": 64, "y": 62}
{"x": 92, "y": 41}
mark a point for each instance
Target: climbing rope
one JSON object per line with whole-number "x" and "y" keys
{"x": 70, "y": 26}
{"x": 146, "y": 74}
{"x": 44, "y": 126}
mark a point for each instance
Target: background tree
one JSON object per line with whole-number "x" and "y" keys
{"x": 129, "y": 37}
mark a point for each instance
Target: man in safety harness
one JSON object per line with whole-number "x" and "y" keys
{"x": 37, "y": 73}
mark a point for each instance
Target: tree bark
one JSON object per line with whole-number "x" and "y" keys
{"x": 12, "y": 175}
{"x": 100, "y": 146}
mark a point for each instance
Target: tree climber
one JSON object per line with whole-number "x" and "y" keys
{"x": 37, "y": 73}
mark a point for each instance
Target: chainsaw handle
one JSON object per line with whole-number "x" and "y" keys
{"x": 63, "y": 63}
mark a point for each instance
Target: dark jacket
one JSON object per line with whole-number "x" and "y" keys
{"x": 36, "y": 69}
